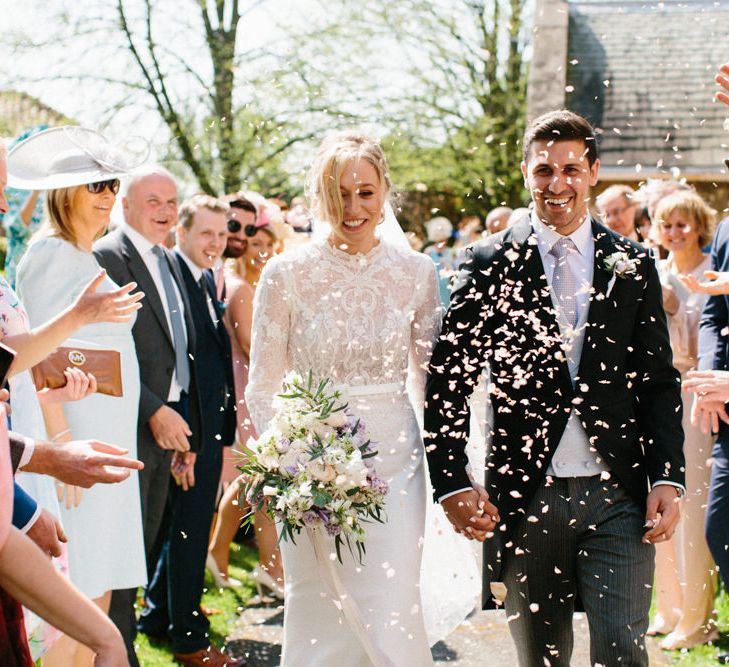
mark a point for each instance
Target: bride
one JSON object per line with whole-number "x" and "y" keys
{"x": 364, "y": 312}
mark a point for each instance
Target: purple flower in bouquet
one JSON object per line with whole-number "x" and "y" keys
{"x": 379, "y": 484}
{"x": 310, "y": 518}
{"x": 333, "y": 529}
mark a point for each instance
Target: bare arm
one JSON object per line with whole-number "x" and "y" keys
{"x": 26, "y": 213}
{"x": 32, "y": 579}
{"x": 240, "y": 309}
{"x": 34, "y": 346}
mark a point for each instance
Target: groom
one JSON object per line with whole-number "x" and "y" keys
{"x": 585, "y": 466}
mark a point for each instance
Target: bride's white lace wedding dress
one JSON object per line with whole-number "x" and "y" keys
{"x": 368, "y": 322}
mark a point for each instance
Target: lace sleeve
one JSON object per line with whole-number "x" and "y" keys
{"x": 269, "y": 343}
{"x": 427, "y": 319}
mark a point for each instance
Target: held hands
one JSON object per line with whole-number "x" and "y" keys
{"x": 78, "y": 385}
{"x": 170, "y": 430}
{"x": 471, "y": 513}
{"x": 116, "y": 306}
{"x": 662, "y": 514}
{"x": 716, "y": 283}
{"x": 183, "y": 469}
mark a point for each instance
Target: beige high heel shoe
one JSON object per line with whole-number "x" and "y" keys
{"x": 265, "y": 580}
{"x": 221, "y": 580}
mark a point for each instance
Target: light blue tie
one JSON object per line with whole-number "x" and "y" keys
{"x": 564, "y": 282}
{"x": 182, "y": 363}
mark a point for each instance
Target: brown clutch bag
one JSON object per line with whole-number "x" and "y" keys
{"x": 104, "y": 365}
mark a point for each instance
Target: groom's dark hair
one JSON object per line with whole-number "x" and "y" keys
{"x": 562, "y": 125}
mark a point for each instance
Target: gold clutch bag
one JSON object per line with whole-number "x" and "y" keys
{"x": 104, "y": 365}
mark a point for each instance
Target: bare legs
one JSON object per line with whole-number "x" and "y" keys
{"x": 229, "y": 519}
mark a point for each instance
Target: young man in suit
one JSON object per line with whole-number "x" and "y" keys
{"x": 170, "y": 417}
{"x": 173, "y": 596}
{"x": 586, "y": 411}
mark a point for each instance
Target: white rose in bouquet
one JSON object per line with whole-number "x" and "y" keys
{"x": 336, "y": 419}
{"x": 321, "y": 471}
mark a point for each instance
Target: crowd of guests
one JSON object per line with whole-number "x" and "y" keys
{"x": 170, "y": 288}
{"x": 181, "y": 325}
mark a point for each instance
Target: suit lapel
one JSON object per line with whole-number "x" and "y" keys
{"x": 596, "y": 317}
{"x": 196, "y": 295}
{"x": 141, "y": 274}
{"x": 531, "y": 271}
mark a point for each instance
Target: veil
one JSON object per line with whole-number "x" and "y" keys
{"x": 388, "y": 231}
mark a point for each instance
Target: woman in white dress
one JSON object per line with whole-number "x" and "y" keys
{"x": 364, "y": 313}
{"x": 104, "y": 524}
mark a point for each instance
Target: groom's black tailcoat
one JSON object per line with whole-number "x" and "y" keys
{"x": 626, "y": 394}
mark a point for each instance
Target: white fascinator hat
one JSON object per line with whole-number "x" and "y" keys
{"x": 63, "y": 157}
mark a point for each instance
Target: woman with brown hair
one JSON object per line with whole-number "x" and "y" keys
{"x": 251, "y": 244}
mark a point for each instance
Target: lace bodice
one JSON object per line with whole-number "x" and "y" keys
{"x": 357, "y": 319}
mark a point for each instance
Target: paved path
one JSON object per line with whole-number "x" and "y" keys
{"x": 481, "y": 641}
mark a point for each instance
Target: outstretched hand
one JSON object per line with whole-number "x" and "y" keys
{"x": 82, "y": 463}
{"x": 471, "y": 513}
{"x": 118, "y": 305}
{"x": 717, "y": 282}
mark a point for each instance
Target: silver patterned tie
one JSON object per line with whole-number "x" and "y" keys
{"x": 182, "y": 364}
{"x": 564, "y": 282}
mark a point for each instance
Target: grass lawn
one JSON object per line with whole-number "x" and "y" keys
{"x": 228, "y": 601}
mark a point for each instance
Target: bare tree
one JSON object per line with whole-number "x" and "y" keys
{"x": 463, "y": 108}
{"x": 232, "y": 112}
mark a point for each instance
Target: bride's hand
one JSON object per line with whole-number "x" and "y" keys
{"x": 471, "y": 513}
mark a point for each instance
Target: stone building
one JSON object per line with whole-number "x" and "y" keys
{"x": 642, "y": 73}
{"x": 20, "y": 111}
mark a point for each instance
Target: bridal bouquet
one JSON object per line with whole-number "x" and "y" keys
{"x": 313, "y": 466}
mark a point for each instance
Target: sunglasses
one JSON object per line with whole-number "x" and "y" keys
{"x": 234, "y": 227}
{"x": 98, "y": 187}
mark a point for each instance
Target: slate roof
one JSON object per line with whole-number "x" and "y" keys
{"x": 643, "y": 73}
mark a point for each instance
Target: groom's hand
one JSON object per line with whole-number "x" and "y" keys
{"x": 662, "y": 513}
{"x": 471, "y": 513}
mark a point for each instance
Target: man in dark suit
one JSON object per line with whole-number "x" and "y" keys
{"x": 173, "y": 596}
{"x": 169, "y": 408}
{"x": 586, "y": 412}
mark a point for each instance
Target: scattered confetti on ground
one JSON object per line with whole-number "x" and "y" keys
{"x": 260, "y": 629}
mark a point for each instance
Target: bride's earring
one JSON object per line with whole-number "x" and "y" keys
{"x": 382, "y": 217}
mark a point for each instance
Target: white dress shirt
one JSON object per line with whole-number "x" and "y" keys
{"x": 144, "y": 248}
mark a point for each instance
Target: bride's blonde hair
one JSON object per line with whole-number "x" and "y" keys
{"x": 333, "y": 155}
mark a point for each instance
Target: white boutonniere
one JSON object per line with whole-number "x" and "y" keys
{"x": 621, "y": 266}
